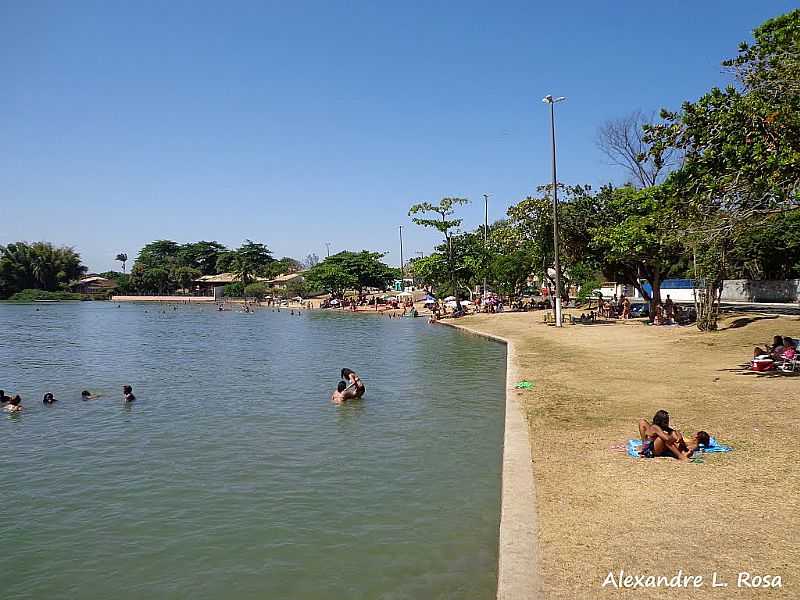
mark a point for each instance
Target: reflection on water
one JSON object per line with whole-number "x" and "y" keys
{"x": 232, "y": 475}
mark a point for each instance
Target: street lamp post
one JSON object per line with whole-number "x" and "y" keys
{"x": 402, "y": 266}
{"x": 552, "y": 101}
{"x": 485, "y": 236}
{"x": 328, "y": 246}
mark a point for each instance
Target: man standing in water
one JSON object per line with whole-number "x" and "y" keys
{"x": 345, "y": 392}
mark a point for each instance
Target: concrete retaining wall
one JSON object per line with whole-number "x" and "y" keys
{"x": 178, "y": 299}
{"x": 746, "y": 290}
{"x": 518, "y": 576}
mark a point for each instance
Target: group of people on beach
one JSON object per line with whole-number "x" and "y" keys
{"x": 615, "y": 308}
{"x": 782, "y": 347}
{"x": 659, "y": 439}
{"x": 350, "y": 388}
{"x": 14, "y": 404}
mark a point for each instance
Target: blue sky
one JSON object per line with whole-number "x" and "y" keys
{"x": 300, "y": 123}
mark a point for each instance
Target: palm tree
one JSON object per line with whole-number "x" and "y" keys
{"x": 123, "y": 258}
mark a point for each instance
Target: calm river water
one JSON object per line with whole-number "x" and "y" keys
{"x": 232, "y": 476}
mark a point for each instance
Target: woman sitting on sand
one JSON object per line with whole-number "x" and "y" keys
{"x": 773, "y": 350}
{"x": 659, "y": 439}
{"x": 354, "y": 382}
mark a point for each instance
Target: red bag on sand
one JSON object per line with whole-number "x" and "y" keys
{"x": 762, "y": 364}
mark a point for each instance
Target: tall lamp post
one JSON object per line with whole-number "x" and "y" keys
{"x": 402, "y": 266}
{"x": 328, "y": 246}
{"x": 552, "y": 101}
{"x": 485, "y": 236}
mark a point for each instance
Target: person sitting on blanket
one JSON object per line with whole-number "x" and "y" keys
{"x": 659, "y": 439}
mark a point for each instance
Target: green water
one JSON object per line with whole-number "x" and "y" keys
{"x": 232, "y": 476}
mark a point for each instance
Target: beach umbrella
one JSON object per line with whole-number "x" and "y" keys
{"x": 449, "y": 298}
{"x": 429, "y": 301}
{"x": 334, "y": 301}
{"x": 452, "y": 303}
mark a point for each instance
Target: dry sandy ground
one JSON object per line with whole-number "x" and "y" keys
{"x": 601, "y": 511}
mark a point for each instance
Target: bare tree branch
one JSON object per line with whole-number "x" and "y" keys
{"x": 622, "y": 141}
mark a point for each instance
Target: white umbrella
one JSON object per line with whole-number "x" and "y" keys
{"x": 452, "y": 303}
{"x": 449, "y": 298}
{"x": 405, "y": 294}
{"x": 334, "y": 301}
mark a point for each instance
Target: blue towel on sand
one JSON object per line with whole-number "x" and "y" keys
{"x": 634, "y": 446}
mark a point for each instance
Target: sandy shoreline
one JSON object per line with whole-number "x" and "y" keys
{"x": 599, "y": 511}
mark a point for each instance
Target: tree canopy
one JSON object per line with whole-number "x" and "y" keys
{"x": 37, "y": 265}
{"x": 351, "y": 270}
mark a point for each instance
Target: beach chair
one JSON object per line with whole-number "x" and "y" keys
{"x": 788, "y": 365}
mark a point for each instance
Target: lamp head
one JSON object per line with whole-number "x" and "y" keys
{"x": 550, "y": 100}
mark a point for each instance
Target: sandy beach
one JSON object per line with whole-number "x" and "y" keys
{"x": 600, "y": 511}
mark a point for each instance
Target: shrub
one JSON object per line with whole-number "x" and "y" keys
{"x": 256, "y": 290}
{"x": 234, "y": 290}
{"x": 31, "y": 295}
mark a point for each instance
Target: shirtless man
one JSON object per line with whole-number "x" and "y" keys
{"x": 343, "y": 393}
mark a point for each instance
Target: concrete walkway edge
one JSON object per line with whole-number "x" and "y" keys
{"x": 518, "y": 576}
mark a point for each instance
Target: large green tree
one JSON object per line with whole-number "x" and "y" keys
{"x": 201, "y": 255}
{"x": 251, "y": 260}
{"x": 363, "y": 269}
{"x": 742, "y": 153}
{"x": 440, "y": 217}
{"x": 38, "y": 265}
{"x": 331, "y": 278}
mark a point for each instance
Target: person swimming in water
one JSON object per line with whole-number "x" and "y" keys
{"x": 87, "y": 395}
{"x": 14, "y": 405}
{"x": 353, "y": 381}
{"x": 3, "y": 398}
{"x": 48, "y": 398}
{"x": 127, "y": 393}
